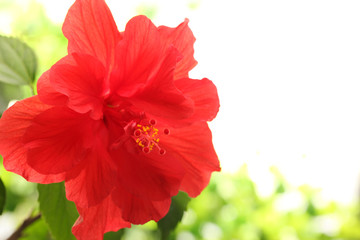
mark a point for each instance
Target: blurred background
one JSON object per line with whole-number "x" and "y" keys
{"x": 288, "y": 130}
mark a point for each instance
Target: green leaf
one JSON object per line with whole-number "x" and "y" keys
{"x": 59, "y": 213}
{"x": 170, "y": 221}
{"x": 10, "y": 92}
{"x": 114, "y": 235}
{"x": 2, "y": 196}
{"x": 17, "y": 62}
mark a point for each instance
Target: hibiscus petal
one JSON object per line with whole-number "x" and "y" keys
{"x": 161, "y": 98}
{"x": 82, "y": 79}
{"x": 93, "y": 179}
{"x": 90, "y": 28}
{"x": 204, "y": 94}
{"x": 148, "y": 175}
{"x": 145, "y": 72}
{"x": 138, "y": 210}
{"x": 193, "y": 147}
{"x": 107, "y": 217}
{"x": 47, "y": 93}
{"x": 57, "y": 140}
{"x": 183, "y": 40}
{"x": 13, "y": 124}
{"x": 138, "y": 55}
{"x": 195, "y": 180}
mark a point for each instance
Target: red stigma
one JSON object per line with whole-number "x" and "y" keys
{"x": 146, "y": 149}
{"x": 166, "y": 131}
{"x": 137, "y": 133}
{"x": 152, "y": 122}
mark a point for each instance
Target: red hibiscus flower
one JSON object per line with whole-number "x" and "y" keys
{"x": 117, "y": 119}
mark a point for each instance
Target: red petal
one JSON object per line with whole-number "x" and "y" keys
{"x": 161, "y": 98}
{"x": 82, "y": 79}
{"x": 183, "y": 40}
{"x": 91, "y": 29}
{"x": 138, "y": 55}
{"x": 145, "y": 72}
{"x": 47, "y": 93}
{"x": 57, "y": 140}
{"x": 138, "y": 210}
{"x": 95, "y": 221}
{"x": 152, "y": 176}
{"x": 13, "y": 124}
{"x": 204, "y": 94}
{"x": 93, "y": 179}
{"x": 193, "y": 146}
{"x": 195, "y": 180}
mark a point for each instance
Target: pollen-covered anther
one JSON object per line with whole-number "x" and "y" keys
{"x": 147, "y": 138}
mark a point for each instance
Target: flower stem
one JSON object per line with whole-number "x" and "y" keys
{"x": 32, "y": 88}
{"x": 18, "y": 233}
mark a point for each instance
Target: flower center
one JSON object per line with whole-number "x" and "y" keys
{"x": 147, "y": 137}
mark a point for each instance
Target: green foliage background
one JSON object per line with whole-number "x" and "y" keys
{"x": 229, "y": 208}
